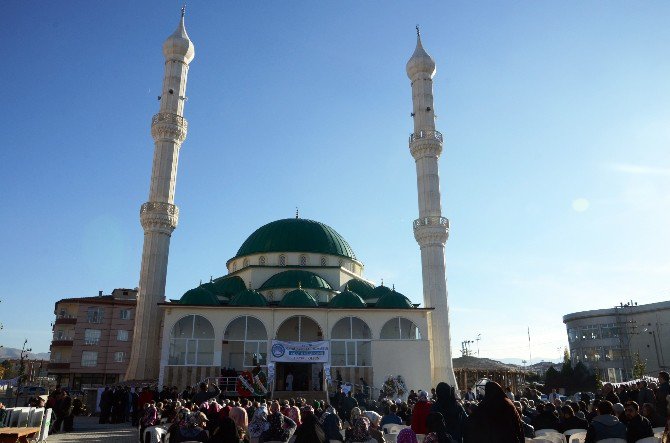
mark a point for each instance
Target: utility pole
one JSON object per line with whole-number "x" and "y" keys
{"x": 479, "y": 337}
{"x": 22, "y": 368}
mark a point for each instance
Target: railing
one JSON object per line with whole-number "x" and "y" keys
{"x": 434, "y": 135}
{"x": 92, "y": 341}
{"x": 166, "y": 117}
{"x": 58, "y": 365}
{"x": 226, "y": 384}
{"x": 66, "y": 321}
{"x": 368, "y": 390}
{"x": 160, "y": 206}
{"x": 62, "y": 342}
{"x": 66, "y": 315}
{"x": 431, "y": 221}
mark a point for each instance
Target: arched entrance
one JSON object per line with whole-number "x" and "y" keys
{"x": 299, "y": 375}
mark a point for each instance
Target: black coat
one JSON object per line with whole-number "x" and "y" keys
{"x": 637, "y": 428}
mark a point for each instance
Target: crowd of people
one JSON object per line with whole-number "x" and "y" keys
{"x": 442, "y": 416}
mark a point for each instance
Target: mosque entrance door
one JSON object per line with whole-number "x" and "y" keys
{"x": 301, "y": 375}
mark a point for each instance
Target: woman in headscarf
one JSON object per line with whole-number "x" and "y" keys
{"x": 239, "y": 415}
{"x": 375, "y": 429}
{"x": 280, "y": 427}
{"x": 452, "y": 412}
{"x": 495, "y": 420}
{"x": 258, "y": 424}
{"x": 360, "y": 430}
{"x": 420, "y": 412}
{"x": 436, "y": 429}
{"x": 294, "y": 414}
{"x": 407, "y": 436}
{"x": 309, "y": 431}
{"x": 331, "y": 424}
{"x": 225, "y": 432}
{"x": 194, "y": 429}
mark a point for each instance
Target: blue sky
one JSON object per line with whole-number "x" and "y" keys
{"x": 554, "y": 173}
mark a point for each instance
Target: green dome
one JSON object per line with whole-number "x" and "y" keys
{"x": 248, "y": 297}
{"x": 296, "y": 235}
{"x": 347, "y": 299}
{"x": 199, "y": 296}
{"x": 291, "y": 279}
{"x": 381, "y": 291}
{"x": 362, "y": 288}
{"x": 393, "y": 299}
{"x": 298, "y": 299}
{"x": 228, "y": 286}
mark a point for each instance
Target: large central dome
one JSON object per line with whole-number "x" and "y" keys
{"x": 296, "y": 235}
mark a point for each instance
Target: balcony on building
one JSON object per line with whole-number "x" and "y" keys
{"x": 62, "y": 342}
{"x": 58, "y": 365}
{"x": 66, "y": 319}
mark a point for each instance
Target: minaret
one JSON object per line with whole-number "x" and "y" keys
{"x": 431, "y": 230}
{"x": 159, "y": 215}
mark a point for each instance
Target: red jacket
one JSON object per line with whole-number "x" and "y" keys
{"x": 419, "y": 415}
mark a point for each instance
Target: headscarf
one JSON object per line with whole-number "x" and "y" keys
{"x": 276, "y": 429}
{"x": 361, "y": 429}
{"x": 294, "y": 414}
{"x": 239, "y": 416}
{"x": 259, "y": 422}
{"x": 498, "y": 414}
{"x": 310, "y": 431}
{"x": 406, "y": 436}
{"x": 423, "y": 396}
{"x": 373, "y": 417}
{"x": 354, "y": 414}
{"x": 226, "y": 432}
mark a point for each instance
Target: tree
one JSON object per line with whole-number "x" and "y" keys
{"x": 566, "y": 368}
{"x": 639, "y": 366}
{"x": 552, "y": 378}
{"x": 7, "y": 369}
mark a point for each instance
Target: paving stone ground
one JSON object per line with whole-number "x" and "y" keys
{"x": 87, "y": 429}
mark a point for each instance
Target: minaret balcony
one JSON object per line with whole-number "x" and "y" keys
{"x": 426, "y": 135}
{"x": 168, "y": 126}
{"x": 431, "y": 221}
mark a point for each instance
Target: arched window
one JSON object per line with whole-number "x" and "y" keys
{"x": 324, "y": 262}
{"x": 350, "y": 343}
{"x": 299, "y": 328}
{"x": 400, "y": 329}
{"x": 192, "y": 342}
{"x": 282, "y": 260}
{"x": 261, "y": 260}
{"x": 245, "y": 343}
{"x": 303, "y": 260}
{"x": 245, "y": 263}
{"x": 234, "y": 266}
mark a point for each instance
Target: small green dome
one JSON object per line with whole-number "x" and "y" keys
{"x": 347, "y": 299}
{"x": 298, "y": 298}
{"x": 293, "y": 278}
{"x": 381, "y": 291}
{"x": 228, "y": 286}
{"x": 248, "y": 297}
{"x": 296, "y": 235}
{"x": 393, "y": 299}
{"x": 364, "y": 289}
{"x": 199, "y": 296}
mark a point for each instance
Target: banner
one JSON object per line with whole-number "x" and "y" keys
{"x": 300, "y": 352}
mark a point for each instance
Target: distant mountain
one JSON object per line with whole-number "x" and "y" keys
{"x": 519, "y": 361}
{"x": 472, "y": 362}
{"x": 10, "y": 353}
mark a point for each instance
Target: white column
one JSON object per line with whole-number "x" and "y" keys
{"x": 431, "y": 230}
{"x": 159, "y": 215}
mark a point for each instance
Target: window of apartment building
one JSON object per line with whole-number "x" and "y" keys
{"x": 610, "y": 330}
{"x": 119, "y": 357}
{"x": 122, "y": 335}
{"x": 92, "y": 336}
{"x": 89, "y": 358}
{"x": 59, "y": 334}
{"x": 57, "y": 357}
{"x": 590, "y": 332}
{"x": 124, "y": 314}
{"x": 573, "y": 335}
{"x": 95, "y": 315}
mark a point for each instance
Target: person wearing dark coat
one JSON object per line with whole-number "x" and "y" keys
{"x": 106, "y": 401}
{"x": 225, "y": 432}
{"x": 662, "y": 393}
{"x": 637, "y": 426}
{"x": 453, "y": 413}
{"x": 331, "y": 424}
{"x": 495, "y": 420}
{"x": 570, "y": 420}
{"x": 205, "y": 394}
{"x": 645, "y": 395}
{"x": 609, "y": 394}
{"x": 605, "y": 425}
{"x": 309, "y": 430}
{"x": 546, "y": 417}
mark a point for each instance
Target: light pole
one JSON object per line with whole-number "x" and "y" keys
{"x": 479, "y": 337}
{"x": 24, "y": 354}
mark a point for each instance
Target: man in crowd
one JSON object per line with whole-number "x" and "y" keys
{"x": 638, "y": 426}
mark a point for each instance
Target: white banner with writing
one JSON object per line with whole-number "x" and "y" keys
{"x": 300, "y": 352}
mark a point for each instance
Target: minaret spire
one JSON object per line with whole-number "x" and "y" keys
{"x": 159, "y": 215}
{"x": 431, "y": 230}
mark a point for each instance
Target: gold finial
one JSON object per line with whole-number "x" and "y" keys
{"x": 382, "y": 282}
{"x": 183, "y": 10}
{"x": 299, "y": 285}
{"x": 297, "y": 213}
{"x": 418, "y": 32}
{"x": 211, "y": 279}
{"x": 393, "y": 289}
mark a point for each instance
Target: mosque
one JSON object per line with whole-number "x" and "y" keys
{"x": 294, "y": 298}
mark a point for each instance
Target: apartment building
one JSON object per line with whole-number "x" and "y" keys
{"x": 92, "y": 338}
